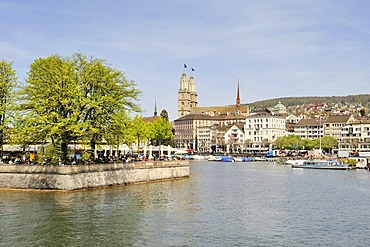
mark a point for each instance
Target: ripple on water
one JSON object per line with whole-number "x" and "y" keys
{"x": 221, "y": 204}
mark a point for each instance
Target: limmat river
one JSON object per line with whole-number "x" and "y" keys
{"x": 221, "y": 204}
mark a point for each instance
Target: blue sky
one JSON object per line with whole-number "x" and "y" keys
{"x": 276, "y": 48}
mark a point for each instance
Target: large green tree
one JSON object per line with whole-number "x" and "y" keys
{"x": 289, "y": 142}
{"x": 49, "y": 105}
{"x": 106, "y": 95}
{"x": 327, "y": 143}
{"x": 161, "y": 132}
{"x": 295, "y": 142}
{"x": 74, "y": 99}
{"x": 8, "y": 81}
{"x": 140, "y": 129}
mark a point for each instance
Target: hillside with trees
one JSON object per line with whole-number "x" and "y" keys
{"x": 363, "y": 99}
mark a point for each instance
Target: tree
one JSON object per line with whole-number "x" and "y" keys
{"x": 327, "y": 143}
{"x": 307, "y": 144}
{"x": 119, "y": 133}
{"x": 164, "y": 114}
{"x": 50, "y": 105}
{"x": 140, "y": 129}
{"x": 74, "y": 99}
{"x": 107, "y": 94}
{"x": 289, "y": 142}
{"x": 160, "y": 131}
{"x": 363, "y": 112}
{"x": 8, "y": 81}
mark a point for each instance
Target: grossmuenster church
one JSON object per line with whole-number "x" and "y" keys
{"x": 203, "y": 128}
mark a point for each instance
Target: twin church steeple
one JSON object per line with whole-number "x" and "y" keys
{"x": 188, "y": 96}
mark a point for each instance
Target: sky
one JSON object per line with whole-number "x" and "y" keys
{"x": 275, "y": 48}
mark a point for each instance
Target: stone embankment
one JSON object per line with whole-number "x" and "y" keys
{"x": 67, "y": 178}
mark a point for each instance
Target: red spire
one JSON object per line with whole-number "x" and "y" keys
{"x": 238, "y": 96}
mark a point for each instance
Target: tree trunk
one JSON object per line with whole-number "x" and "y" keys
{"x": 92, "y": 149}
{"x": 64, "y": 147}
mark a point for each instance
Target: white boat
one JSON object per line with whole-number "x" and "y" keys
{"x": 199, "y": 157}
{"x": 213, "y": 158}
{"x": 237, "y": 159}
{"x": 322, "y": 164}
{"x": 294, "y": 162}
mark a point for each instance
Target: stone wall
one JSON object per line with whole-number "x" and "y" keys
{"x": 89, "y": 176}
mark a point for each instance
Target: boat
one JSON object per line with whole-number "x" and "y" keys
{"x": 322, "y": 164}
{"x": 227, "y": 159}
{"x": 214, "y": 158}
{"x": 294, "y": 162}
{"x": 238, "y": 159}
{"x": 246, "y": 159}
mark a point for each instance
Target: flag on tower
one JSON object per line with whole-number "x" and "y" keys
{"x": 192, "y": 69}
{"x": 185, "y": 65}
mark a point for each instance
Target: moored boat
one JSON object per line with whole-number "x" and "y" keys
{"x": 322, "y": 164}
{"x": 294, "y": 162}
{"x": 227, "y": 159}
{"x": 214, "y": 158}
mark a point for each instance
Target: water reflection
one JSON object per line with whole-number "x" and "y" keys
{"x": 219, "y": 205}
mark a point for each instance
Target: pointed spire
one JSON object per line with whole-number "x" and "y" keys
{"x": 155, "y": 107}
{"x": 238, "y": 95}
{"x": 237, "y": 105}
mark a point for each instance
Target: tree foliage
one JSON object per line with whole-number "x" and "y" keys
{"x": 164, "y": 114}
{"x": 363, "y": 99}
{"x": 8, "y": 81}
{"x": 74, "y": 99}
{"x": 295, "y": 142}
{"x": 161, "y": 133}
{"x": 327, "y": 143}
{"x": 140, "y": 129}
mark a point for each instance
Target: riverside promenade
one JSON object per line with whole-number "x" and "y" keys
{"x": 76, "y": 177}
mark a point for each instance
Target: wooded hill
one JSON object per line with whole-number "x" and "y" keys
{"x": 363, "y": 99}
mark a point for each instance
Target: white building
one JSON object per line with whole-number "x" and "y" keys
{"x": 309, "y": 128}
{"x": 262, "y": 129}
{"x": 204, "y": 138}
{"x": 293, "y": 119}
{"x": 335, "y": 123}
{"x": 234, "y": 138}
{"x": 356, "y": 136}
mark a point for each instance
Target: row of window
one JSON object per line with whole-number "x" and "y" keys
{"x": 261, "y": 120}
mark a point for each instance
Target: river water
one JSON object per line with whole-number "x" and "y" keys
{"x": 221, "y": 204}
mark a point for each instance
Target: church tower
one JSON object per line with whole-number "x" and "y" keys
{"x": 187, "y": 96}
{"x": 237, "y": 105}
{"x": 193, "y": 92}
{"x": 155, "y": 107}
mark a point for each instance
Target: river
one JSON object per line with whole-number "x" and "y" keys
{"x": 221, "y": 204}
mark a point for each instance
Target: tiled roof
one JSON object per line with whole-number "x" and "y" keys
{"x": 195, "y": 117}
{"x": 149, "y": 119}
{"x": 208, "y": 117}
{"x": 230, "y": 116}
{"x": 338, "y": 119}
{"x": 220, "y": 109}
{"x": 308, "y": 121}
{"x": 240, "y": 126}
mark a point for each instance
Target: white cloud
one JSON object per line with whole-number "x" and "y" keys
{"x": 276, "y": 47}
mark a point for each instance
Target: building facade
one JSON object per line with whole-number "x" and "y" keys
{"x": 356, "y": 136}
{"x": 262, "y": 129}
{"x": 309, "y": 128}
{"x": 335, "y": 123}
{"x": 234, "y": 138}
{"x": 203, "y": 128}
